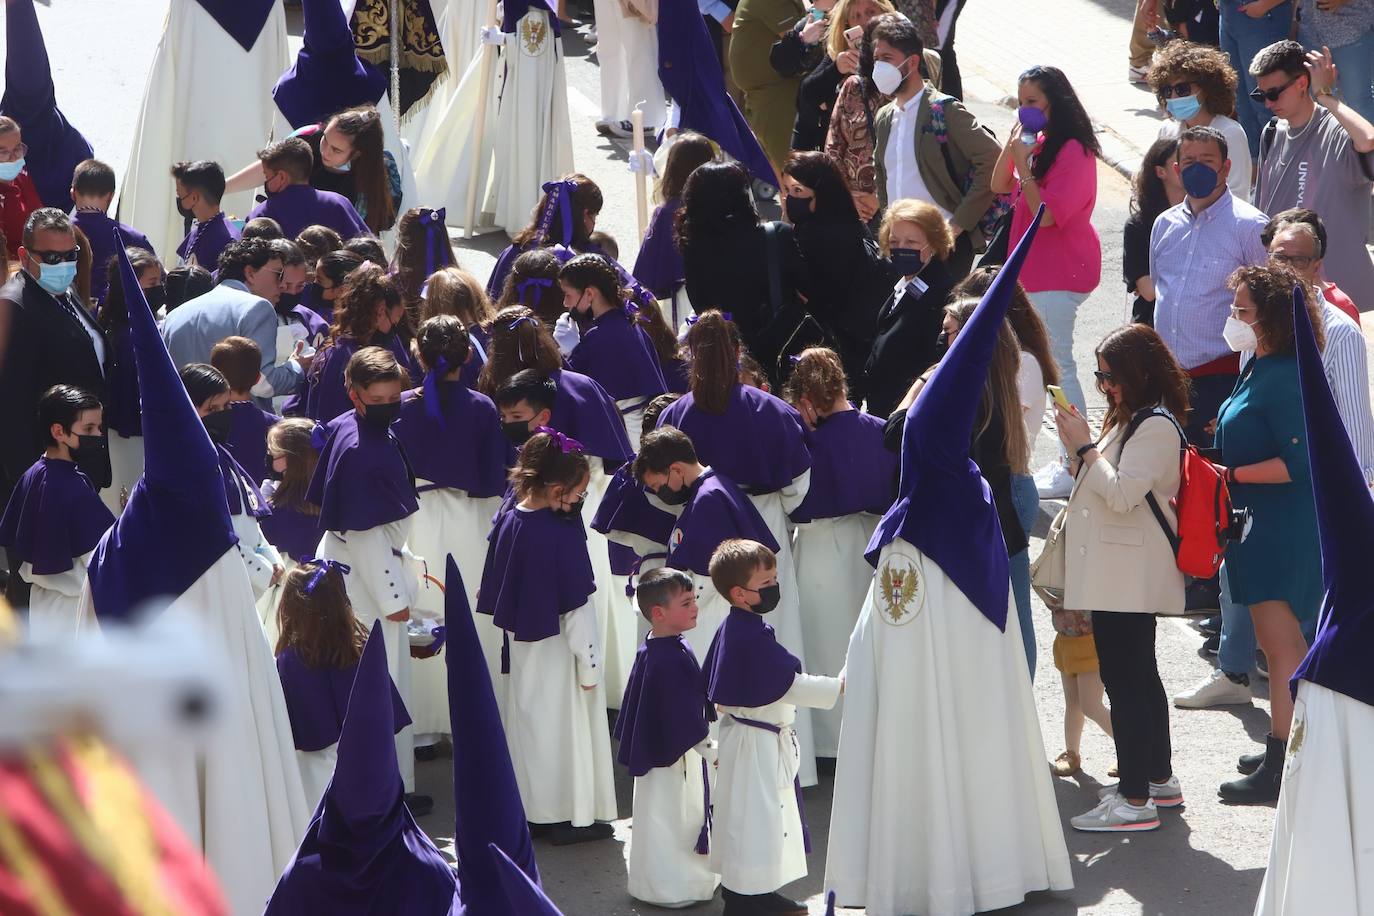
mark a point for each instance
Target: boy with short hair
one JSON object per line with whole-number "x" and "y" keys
{"x": 664, "y": 736}
{"x": 240, "y": 359}
{"x": 199, "y": 189}
{"x": 293, "y": 203}
{"x": 761, "y": 838}
{"x": 92, "y": 190}
{"x": 526, "y": 403}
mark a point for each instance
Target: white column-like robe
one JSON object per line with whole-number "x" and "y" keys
{"x": 317, "y": 769}
{"x": 669, "y": 808}
{"x": 126, "y": 466}
{"x": 615, "y": 612}
{"x": 55, "y": 600}
{"x": 627, "y": 58}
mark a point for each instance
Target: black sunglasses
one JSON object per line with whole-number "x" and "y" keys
{"x": 1181, "y": 90}
{"x": 1271, "y": 95}
{"x": 1102, "y": 376}
{"x": 55, "y": 257}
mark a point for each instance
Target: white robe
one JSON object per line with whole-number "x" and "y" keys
{"x": 942, "y": 801}
{"x": 259, "y": 557}
{"x": 559, "y": 742}
{"x": 240, "y": 798}
{"x": 379, "y": 583}
{"x": 126, "y": 466}
{"x": 1322, "y": 857}
{"x": 317, "y": 769}
{"x": 616, "y": 613}
{"x": 757, "y": 842}
{"x": 450, "y": 522}
{"x": 627, "y": 58}
{"x": 459, "y": 24}
{"x": 669, "y": 807}
{"x": 444, "y": 158}
{"x": 832, "y": 579}
{"x": 55, "y": 600}
{"x": 206, "y": 98}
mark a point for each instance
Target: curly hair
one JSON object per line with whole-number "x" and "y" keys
{"x": 355, "y": 312}
{"x": 543, "y": 463}
{"x": 518, "y": 340}
{"x": 1204, "y": 66}
{"x": 1270, "y": 288}
{"x": 817, "y": 376}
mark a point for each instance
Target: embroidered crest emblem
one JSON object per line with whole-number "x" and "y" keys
{"x": 534, "y": 32}
{"x": 901, "y": 593}
{"x": 1298, "y": 732}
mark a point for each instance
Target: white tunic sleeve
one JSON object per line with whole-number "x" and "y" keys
{"x": 579, "y": 629}
{"x": 259, "y": 556}
{"x": 793, "y": 494}
{"x": 707, "y": 749}
{"x": 66, "y": 583}
{"x": 814, "y": 690}
{"x": 379, "y": 569}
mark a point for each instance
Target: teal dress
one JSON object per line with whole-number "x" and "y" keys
{"x": 1281, "y": 559}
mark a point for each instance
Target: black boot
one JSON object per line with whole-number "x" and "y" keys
{"x": 773, "y": 904}
{"x": 1262, "y": 785}
{"x": 1249, "y": 763}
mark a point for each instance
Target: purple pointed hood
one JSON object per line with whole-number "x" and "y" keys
{"x": 242, "y": 19}
{"x": 944, "y": 507}
{"x": 523, "y": 896}
{"x": 327, "y": 76}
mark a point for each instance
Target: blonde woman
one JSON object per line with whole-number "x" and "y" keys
{"x": 816, "y": 98}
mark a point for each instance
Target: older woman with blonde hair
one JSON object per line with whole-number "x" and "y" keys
{"x": 917, "y": 240}
{"x": 1196, "y": 85}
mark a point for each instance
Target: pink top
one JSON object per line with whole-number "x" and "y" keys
{"x": 1067, "y": 255}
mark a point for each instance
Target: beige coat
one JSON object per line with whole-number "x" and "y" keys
{"x": 1116, "y": 557}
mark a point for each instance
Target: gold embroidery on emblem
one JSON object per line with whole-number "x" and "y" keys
{"x": 900, "y": 591}
{"x": 1298, "y": 733}
{"x": 533, "y": 31}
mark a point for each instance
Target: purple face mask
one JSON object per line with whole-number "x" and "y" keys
{"x": 1032, "y": 119}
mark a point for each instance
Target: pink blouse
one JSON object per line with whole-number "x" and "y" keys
{"x": 1067, "y": 255}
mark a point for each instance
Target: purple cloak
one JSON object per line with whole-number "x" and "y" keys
{"x": 463, "y": 448}
{"x": 759, "y": 442}
{"x": 242, "y": 19}
{"x": 327, "y": 76}
{"x": 292, "y": 532}
{"x": 851, "y": 471}
{"x": 659, "y": 264}
{"x": 241, "y": 492}
{"x": 317, "y": 699}
{"x": 53, "y": 516}
{"x": 299, "y": 205}
{"x": 664, "y": 713}
{"x": 363, "y": 479}
{"x": 99, "y": 229}
{"x": 617, "y": 353}
{"x": 746, "y": 665}
{"x": 537, "y": 570}
{"x": 207, "y": 240}
{"x": 583, "y": 410}
{"x": 247, "y": 440}
{"x": 625, "y": 508}
{"x": 326, "y": 394}
{"x": 717, "y": 511}
{"x": 316, "y": 328}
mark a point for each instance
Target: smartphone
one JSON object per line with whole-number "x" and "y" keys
{"x": 854, "y": 35}
{"x": 816, "y": 14}
{"x": 1058, "y": 394}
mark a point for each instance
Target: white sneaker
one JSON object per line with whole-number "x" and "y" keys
{"x": 1138, "y": 74}
{"x": 1163, "y": 794}
{"x": 1216, "y": 690}
{"x": 1116, "y": 815}
{"x": 1053, "y": 481}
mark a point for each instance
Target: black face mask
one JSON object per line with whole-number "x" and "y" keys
{"x": 583, "y": 320}
{"x": 799, "y": 210}
{"x": 570, "y": 514}
{"x": 217, "y": 425}
{"x": 184, "y": 211}
{"x": 381, "y": 416}
{"x": 907, "y": 261}
{"x": 384, "y": 339}
{"x": 671, "y": 497}
{"x": 92, "y": 457}
{"x": 288, "y": 301}
{"x": 517, "y": 431}
{"x": 941, "y": 345}
{"x": 272, "y": 473}
{"x": 156, "y": 296}
{"x": 769, "y": 596}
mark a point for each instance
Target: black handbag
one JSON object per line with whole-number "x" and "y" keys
{"x": 790, "y": 328}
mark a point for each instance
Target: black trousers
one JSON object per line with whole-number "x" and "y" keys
{"x": 1205, "y": 398}
{"x": 1140, "y": 710}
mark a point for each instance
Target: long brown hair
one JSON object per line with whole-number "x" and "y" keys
{"x": 519, "y": 340}
{"x": 1146, "y": 372}
{"x": 585, "y": 199}
{"x": 689, "y": 151}
{"x": 1002, "y": 393}
{"x": 291, "y": 438}
{"x": 543, "y": 463}
{"x": 546, "y": 300}
{"x": 421, "y": 242}
{"x": 1030, "y": 329}
{"x": 319, "y": 626}
{"x": 355, "y": 310}
{"x": 713, "y": 373}
{"x": 363, "y": 126}
{"x": 454, "y": 291}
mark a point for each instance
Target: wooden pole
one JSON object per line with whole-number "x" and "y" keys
{"x": 481, "y": 163}
{"x": 641, "y": 188}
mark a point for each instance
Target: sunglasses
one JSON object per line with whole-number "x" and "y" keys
{"x": 1300, "y": 261}
{"x": 55, "y": 257}
{"x": 1103, "y": 376}
{"x": 1271, "y": 95}
{"x": 1180, "y": 90}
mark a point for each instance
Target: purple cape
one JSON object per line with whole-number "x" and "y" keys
{"x": 317, "y": 699}
{"x": 242, "y": 19}
{"x": 176, "y": 524}
{"x": 363, "y": 854}
{"x": 299, "y": 205}
{"x": 247, "y": 440}
{"x": 53, "y": 516}
{"x": 522, "y": 894}
{"x": 691, "y": 75}
{"x": 99, "y": 229}
{"x": 326, "y": 395}
{"x": 481, "y": 344}
{"x": 327, "y": 76}
{"x": 851, "y": 471}
{"x": 659, "y": 265}
{"x": 207, "y": 240}
{"x": 583, "y": 410}
{"x": 315, "y": 326}
{"x": 618, "y": 354}
{"x": 122, "y": 413}
{"x": 465, "y": 451}
{"x": 746, "y": 665}
{"x": 241, "y": 493}
{"x": 759, "y": 442}
{"x": 944, "y": 507}
{"x": 55, "y": 145}
{"x": 362, "y": 479}
{"x": 537, "y": 570}
{"x": 664, "y": 713}
{"x": 718, "y": 510}
{"x": 292, "y": 532}
{"x": 625, "y": 508}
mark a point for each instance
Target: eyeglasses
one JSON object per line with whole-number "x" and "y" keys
{"x": 1271, "y": 95}
{"x": 54, "y": 257}
{"x": 1237, "y": 311}
{"x": 1300, "y": 261}
{"x": 14, "y": 155}
{"x": 1103, "y": 376}
{"x": 1177, "y": 89}
{"x": 279, "y": 273}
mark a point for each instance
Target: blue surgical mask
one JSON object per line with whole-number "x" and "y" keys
{"x": 10, "y": 170}
{"x": 56, "y": 278}
{"x": 1183, "y": 108}
{"x": 346, "y": 167}
{"x": 1199, "y": 180}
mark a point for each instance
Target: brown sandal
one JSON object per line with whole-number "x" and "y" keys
{"x": 1066, "y": 764}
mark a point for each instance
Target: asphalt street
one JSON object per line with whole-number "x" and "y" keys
{"x": 1207, "y": 857}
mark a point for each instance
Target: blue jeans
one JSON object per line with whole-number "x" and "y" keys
{"x": 1027, "y": 502}
{"x": 1355, "y": 74}
{"x": 1059, "y": 309}
{"x": 1241, "y": 39}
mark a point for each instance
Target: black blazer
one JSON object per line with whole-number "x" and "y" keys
{"x": 41, "y": 345}
{"x": 815, "y": 100}
{"x": 908, "y": 339}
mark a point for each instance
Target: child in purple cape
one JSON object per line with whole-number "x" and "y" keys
{"x": 317, "y": 657}
{"x": 454, "y": 291}
{"x": 294, "y": 525}
{"x": 759, "y": 829}
{"x": 537, "y": 586}
{"x": 210, "y": 393}
{"x": 55, "y": 517}
{"x": 239, "y": 360}
{"x": 664, "y": 736}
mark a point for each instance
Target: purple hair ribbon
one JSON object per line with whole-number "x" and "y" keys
{"x": 430, "y": 387}
{"x": 559, "y": 201}
{"x": 322, "y": 569}
{"x": 566, "y": 444}
{"x": 728, "y": 316}
{"x": 525, "y": 285}
{"x": 432, "y": 220}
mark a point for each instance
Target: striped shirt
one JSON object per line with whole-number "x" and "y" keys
{"x": 1191, "y": 255}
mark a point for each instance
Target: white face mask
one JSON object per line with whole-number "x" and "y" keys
{"x": 886, "y": 77}
{"x": 1240, "y": 336}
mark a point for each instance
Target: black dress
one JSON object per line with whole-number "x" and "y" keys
{"x": 815, "y": 99}
{"x": 1135, "y": 263}
{"x": 907, "y": 340}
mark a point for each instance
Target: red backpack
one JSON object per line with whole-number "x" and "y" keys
{"x": 1206, "y": 517}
